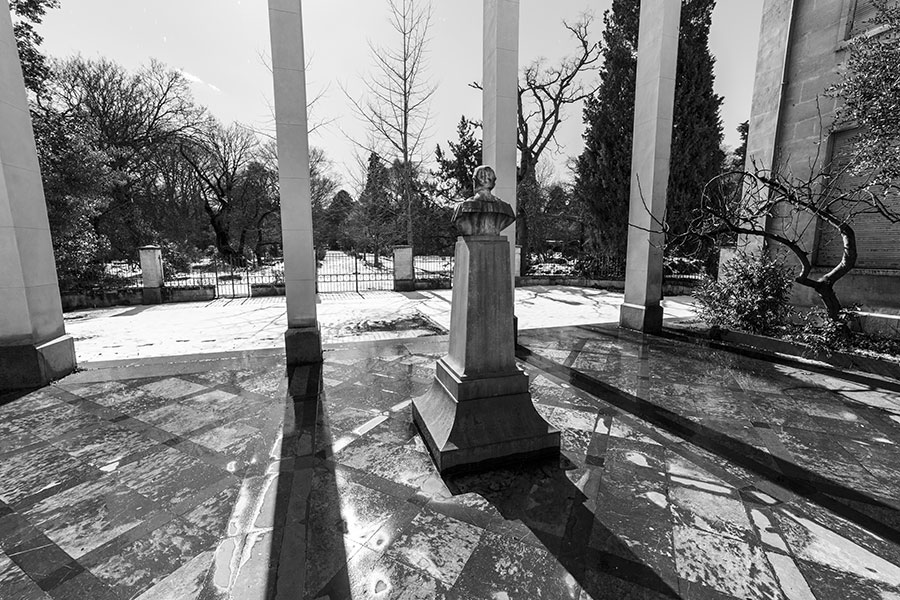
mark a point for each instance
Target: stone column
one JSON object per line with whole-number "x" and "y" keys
{"x": 34, "y": 347}
{"x": 302, "y": 340}
{"x": 499, "y": 105}
{"x": 769, "y": 87}
{"x": 653, "y": 111}
{"x": 404, "y": 274}
{"x": 151, "y": 274}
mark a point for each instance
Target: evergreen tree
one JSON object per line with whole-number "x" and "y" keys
{"x": 740, "y": 153}
{"x": 454, "y": 174}
{"x": 602, "y": 172}
{"x": 375, "y": 224}
{"x": 337, "y": 215}
{"x": 29, "y": 13}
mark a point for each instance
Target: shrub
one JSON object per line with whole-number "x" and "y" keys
{"x": 750, "y": 295}
{"x": 823, "y": 334}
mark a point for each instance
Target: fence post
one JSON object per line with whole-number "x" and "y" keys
{"x": 517, "y": 268}
{"x": 404, "y": 274}
{"x": 151, "y": 274}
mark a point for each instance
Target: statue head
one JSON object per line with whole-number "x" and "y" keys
{"x": 483, "y": 181}
{"x": 484, "y": 213}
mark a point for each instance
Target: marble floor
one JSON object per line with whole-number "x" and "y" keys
{"x": 687, "y": 472}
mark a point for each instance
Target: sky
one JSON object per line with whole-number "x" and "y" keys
{"x": 222, "y": 46}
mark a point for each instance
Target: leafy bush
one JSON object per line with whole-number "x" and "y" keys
{"x": 594, "y": 266}
{"x": 750, "y": 295}
{"x": 824, "y": 334}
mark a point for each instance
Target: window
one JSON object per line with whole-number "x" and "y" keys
{"x": 877, "y": 239}
{"x": 861, "y": 18}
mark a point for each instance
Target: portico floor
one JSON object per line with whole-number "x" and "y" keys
{"x": 687, "y": 472}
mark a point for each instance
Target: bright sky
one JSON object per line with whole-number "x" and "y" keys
{"x": 223, "y": 45}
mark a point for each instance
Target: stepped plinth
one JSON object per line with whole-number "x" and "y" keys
{"x": 478, "y": 412}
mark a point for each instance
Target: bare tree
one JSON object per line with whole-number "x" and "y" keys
{"x": 397, "y": 95}
{"x": 544, "y": 94}
{"x": 221, "y": 157}
{"x": 780, "y": 208}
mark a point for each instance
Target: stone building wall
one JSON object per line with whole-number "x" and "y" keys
{"x": 802, "y": 43}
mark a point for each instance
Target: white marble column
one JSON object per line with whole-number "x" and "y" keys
{"x": 499, "y": 106}
{"x": 34, "y": 347}
{"x": 302, "y": 339}
{"x": 653, "y": 115}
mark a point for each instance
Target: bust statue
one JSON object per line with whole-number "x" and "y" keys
{"x": 484, "y": 213}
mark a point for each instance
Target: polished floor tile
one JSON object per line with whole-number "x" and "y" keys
{"x": 686, "y": 472}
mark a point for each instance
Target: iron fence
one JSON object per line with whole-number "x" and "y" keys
{"x": 354, "y": 272}
{"x": 231, "y": 279}
{"x": 685, "y": 279}
{"x": 434, "y": 269}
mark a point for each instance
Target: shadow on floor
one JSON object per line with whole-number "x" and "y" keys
{"x": 861, "y": 508}
{"x": 561, "y": 517}
{"x": 306, "y": 496}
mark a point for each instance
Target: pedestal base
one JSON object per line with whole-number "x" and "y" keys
{"x": 152, "y": 296}
{"x": 638, "y": 317}
{"x": 467, "y": 431}
{"x": 404, "y": 285}
{"x": 303, "y": 346}
{"x": 27, "y": 366}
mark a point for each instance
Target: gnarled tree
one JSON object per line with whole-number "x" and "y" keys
{"x": 544, "y": 92}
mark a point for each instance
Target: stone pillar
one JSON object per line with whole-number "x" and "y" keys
{"x": 654, "y": 100}
{"x": 151, "y": 274}
{"x": 302, "y": 340}
{"x": 769, "y": 86}
{"x": 404, "y": 274}
{"x": 517, "y": 268}
{"x": 34, "y": 347}
{"x": 499, "y": 100}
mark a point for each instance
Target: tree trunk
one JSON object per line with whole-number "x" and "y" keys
{"x": 223, "y": 238}
{"x": 833, "y": 306}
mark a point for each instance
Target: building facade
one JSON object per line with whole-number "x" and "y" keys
{"x": 802, "y": 45}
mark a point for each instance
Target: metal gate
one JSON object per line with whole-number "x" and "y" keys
{"x": 354, "y": 272}
{"x": 232, "y": 280}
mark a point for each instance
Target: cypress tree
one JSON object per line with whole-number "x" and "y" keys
{"x": 602, "y": 172}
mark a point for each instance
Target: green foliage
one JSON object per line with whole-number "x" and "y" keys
{"x": 130, "y": 123}
{"x": 750, "y": 295}
{"x": 333, "y": 232}
{"x": 869, "y": 88}
{"x": 823, "y": 334}
{"x": 29, "y": 13}
{"x": 740, "y": 153}
{"x": 454, "y": 174}
{"x": 376, "y": 221}
{"x": 602, "y": 172}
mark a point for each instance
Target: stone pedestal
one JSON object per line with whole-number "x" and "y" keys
{"x": 151, "y": 274}
{"x": 478, "y": 412}
{"x": 404, "y": 273}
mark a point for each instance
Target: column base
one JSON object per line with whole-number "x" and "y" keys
{"x": 404, "y": 285}
{"x": 478, "y": 433}
{"x": 303, "y": 345}
{"x": 647, "y": 319}
{"x": 28, "y": 366}
{"x": 152, "y": 296}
